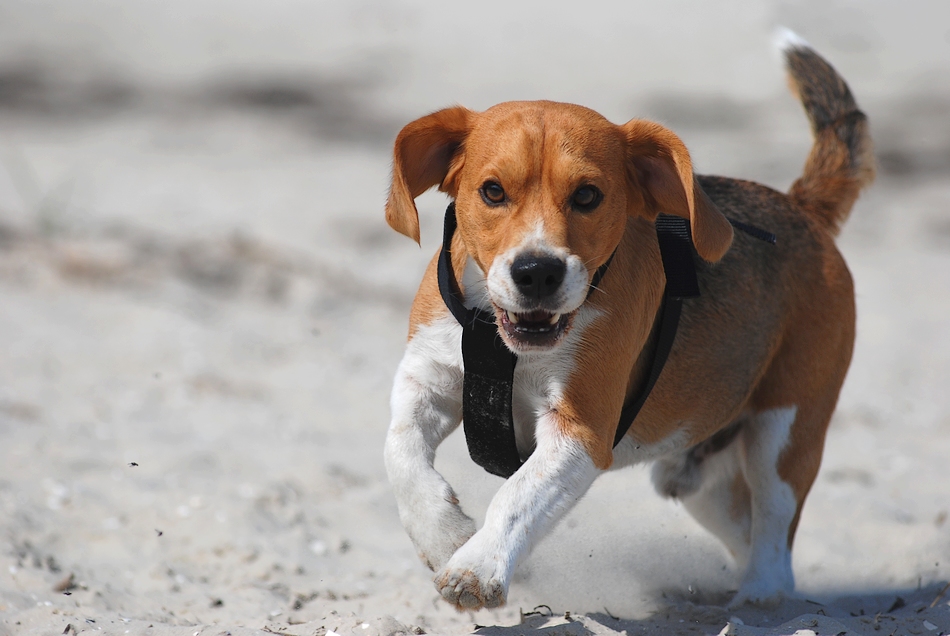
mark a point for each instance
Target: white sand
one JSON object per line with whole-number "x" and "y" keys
{"x": 209, "y": 291}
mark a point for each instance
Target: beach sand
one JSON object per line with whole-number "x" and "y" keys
{"x": 202, "y": 308}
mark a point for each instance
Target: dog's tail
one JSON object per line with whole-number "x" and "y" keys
{"x": 841, "y": 161}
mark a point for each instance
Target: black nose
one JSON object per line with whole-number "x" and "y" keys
{"x": 538, "y": 277}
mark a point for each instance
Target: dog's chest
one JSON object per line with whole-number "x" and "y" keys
{"x": 538, "y": 385}
{"x": 540, "y": 382}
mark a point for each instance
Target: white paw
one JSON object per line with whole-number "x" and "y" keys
{"x": 473, "y": 578}
{"x": 438, "y": 531}
{"x": 763, "y": 591}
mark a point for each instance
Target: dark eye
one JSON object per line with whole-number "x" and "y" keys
{"x": 586, "y": 198}
{"x": 492, "y": 193}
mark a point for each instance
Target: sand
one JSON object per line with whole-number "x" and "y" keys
{"x": 201, "y": 310}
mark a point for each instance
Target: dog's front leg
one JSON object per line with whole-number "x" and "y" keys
{"x": 549, "y": 483}
{"x": 426, "y": 407}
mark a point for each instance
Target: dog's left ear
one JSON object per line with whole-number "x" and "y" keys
{"x": 426, "y": 153}
{"x": 660, "y": 168}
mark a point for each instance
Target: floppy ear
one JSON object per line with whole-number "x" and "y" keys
{"x": 422, "y": 157}
{"x": 659, "y": 166}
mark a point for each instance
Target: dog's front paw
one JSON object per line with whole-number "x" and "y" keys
{"x": 474, "y": 577}
{"x": 466, "y": 590}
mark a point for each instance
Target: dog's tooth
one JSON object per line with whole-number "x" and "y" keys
{"x": 554, "y": 318}
{"x": 512, "y": 317}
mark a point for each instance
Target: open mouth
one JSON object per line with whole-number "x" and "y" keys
{"x": 534, "y": 329}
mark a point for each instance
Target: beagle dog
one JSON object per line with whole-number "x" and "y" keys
{"x": 545, "y": 194}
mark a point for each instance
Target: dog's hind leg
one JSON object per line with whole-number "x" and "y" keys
{"x": 731, "y": 485}
{"x": 739, "y": 494}
{"x": 782, "y": 443}
{"x": 773, "y": 507}
{"x": 709, "y": 481}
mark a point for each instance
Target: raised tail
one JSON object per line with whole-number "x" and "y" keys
{"x": 841, "y": 161}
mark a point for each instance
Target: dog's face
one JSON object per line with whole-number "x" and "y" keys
{"x": 543, "y": 192}
{"x": 541, "y": 200}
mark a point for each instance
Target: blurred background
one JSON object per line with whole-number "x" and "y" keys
{"x": 201, "y": 306}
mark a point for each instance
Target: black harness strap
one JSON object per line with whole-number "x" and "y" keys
{"x": 489, "y": 374}
{"x": 486, "y": 399}
{"x": 490, "y": 365}
{"x": 676, "y": 250}
{"x": 755, "y": 232}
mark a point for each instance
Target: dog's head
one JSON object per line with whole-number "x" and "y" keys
{"x": 543, "y": 193}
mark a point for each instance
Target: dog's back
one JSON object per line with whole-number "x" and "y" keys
{"x": 769, "y": 294}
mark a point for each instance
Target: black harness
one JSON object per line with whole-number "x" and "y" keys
{"x": 490, "y": 365}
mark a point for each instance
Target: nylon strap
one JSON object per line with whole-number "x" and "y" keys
{"x": 489, "y": 374}
{"x": 676, "y": 251}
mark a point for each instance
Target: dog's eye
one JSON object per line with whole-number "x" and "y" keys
{"x": 586, "y": 198}
{"x": 492, "y": 193}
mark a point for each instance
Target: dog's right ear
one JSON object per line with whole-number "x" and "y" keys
{"x": 426, "y": 154}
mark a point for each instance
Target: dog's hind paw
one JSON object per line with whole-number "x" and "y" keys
{"x": 765, "y": 592}
{"x": 764, "y": 601}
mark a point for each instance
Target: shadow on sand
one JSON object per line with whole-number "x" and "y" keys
{"x": 837, "y": 612}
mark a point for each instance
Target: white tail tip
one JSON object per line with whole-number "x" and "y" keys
{"x": 786, "y": 40}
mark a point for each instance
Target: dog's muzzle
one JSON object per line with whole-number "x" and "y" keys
{"x": 538, "y": 280}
